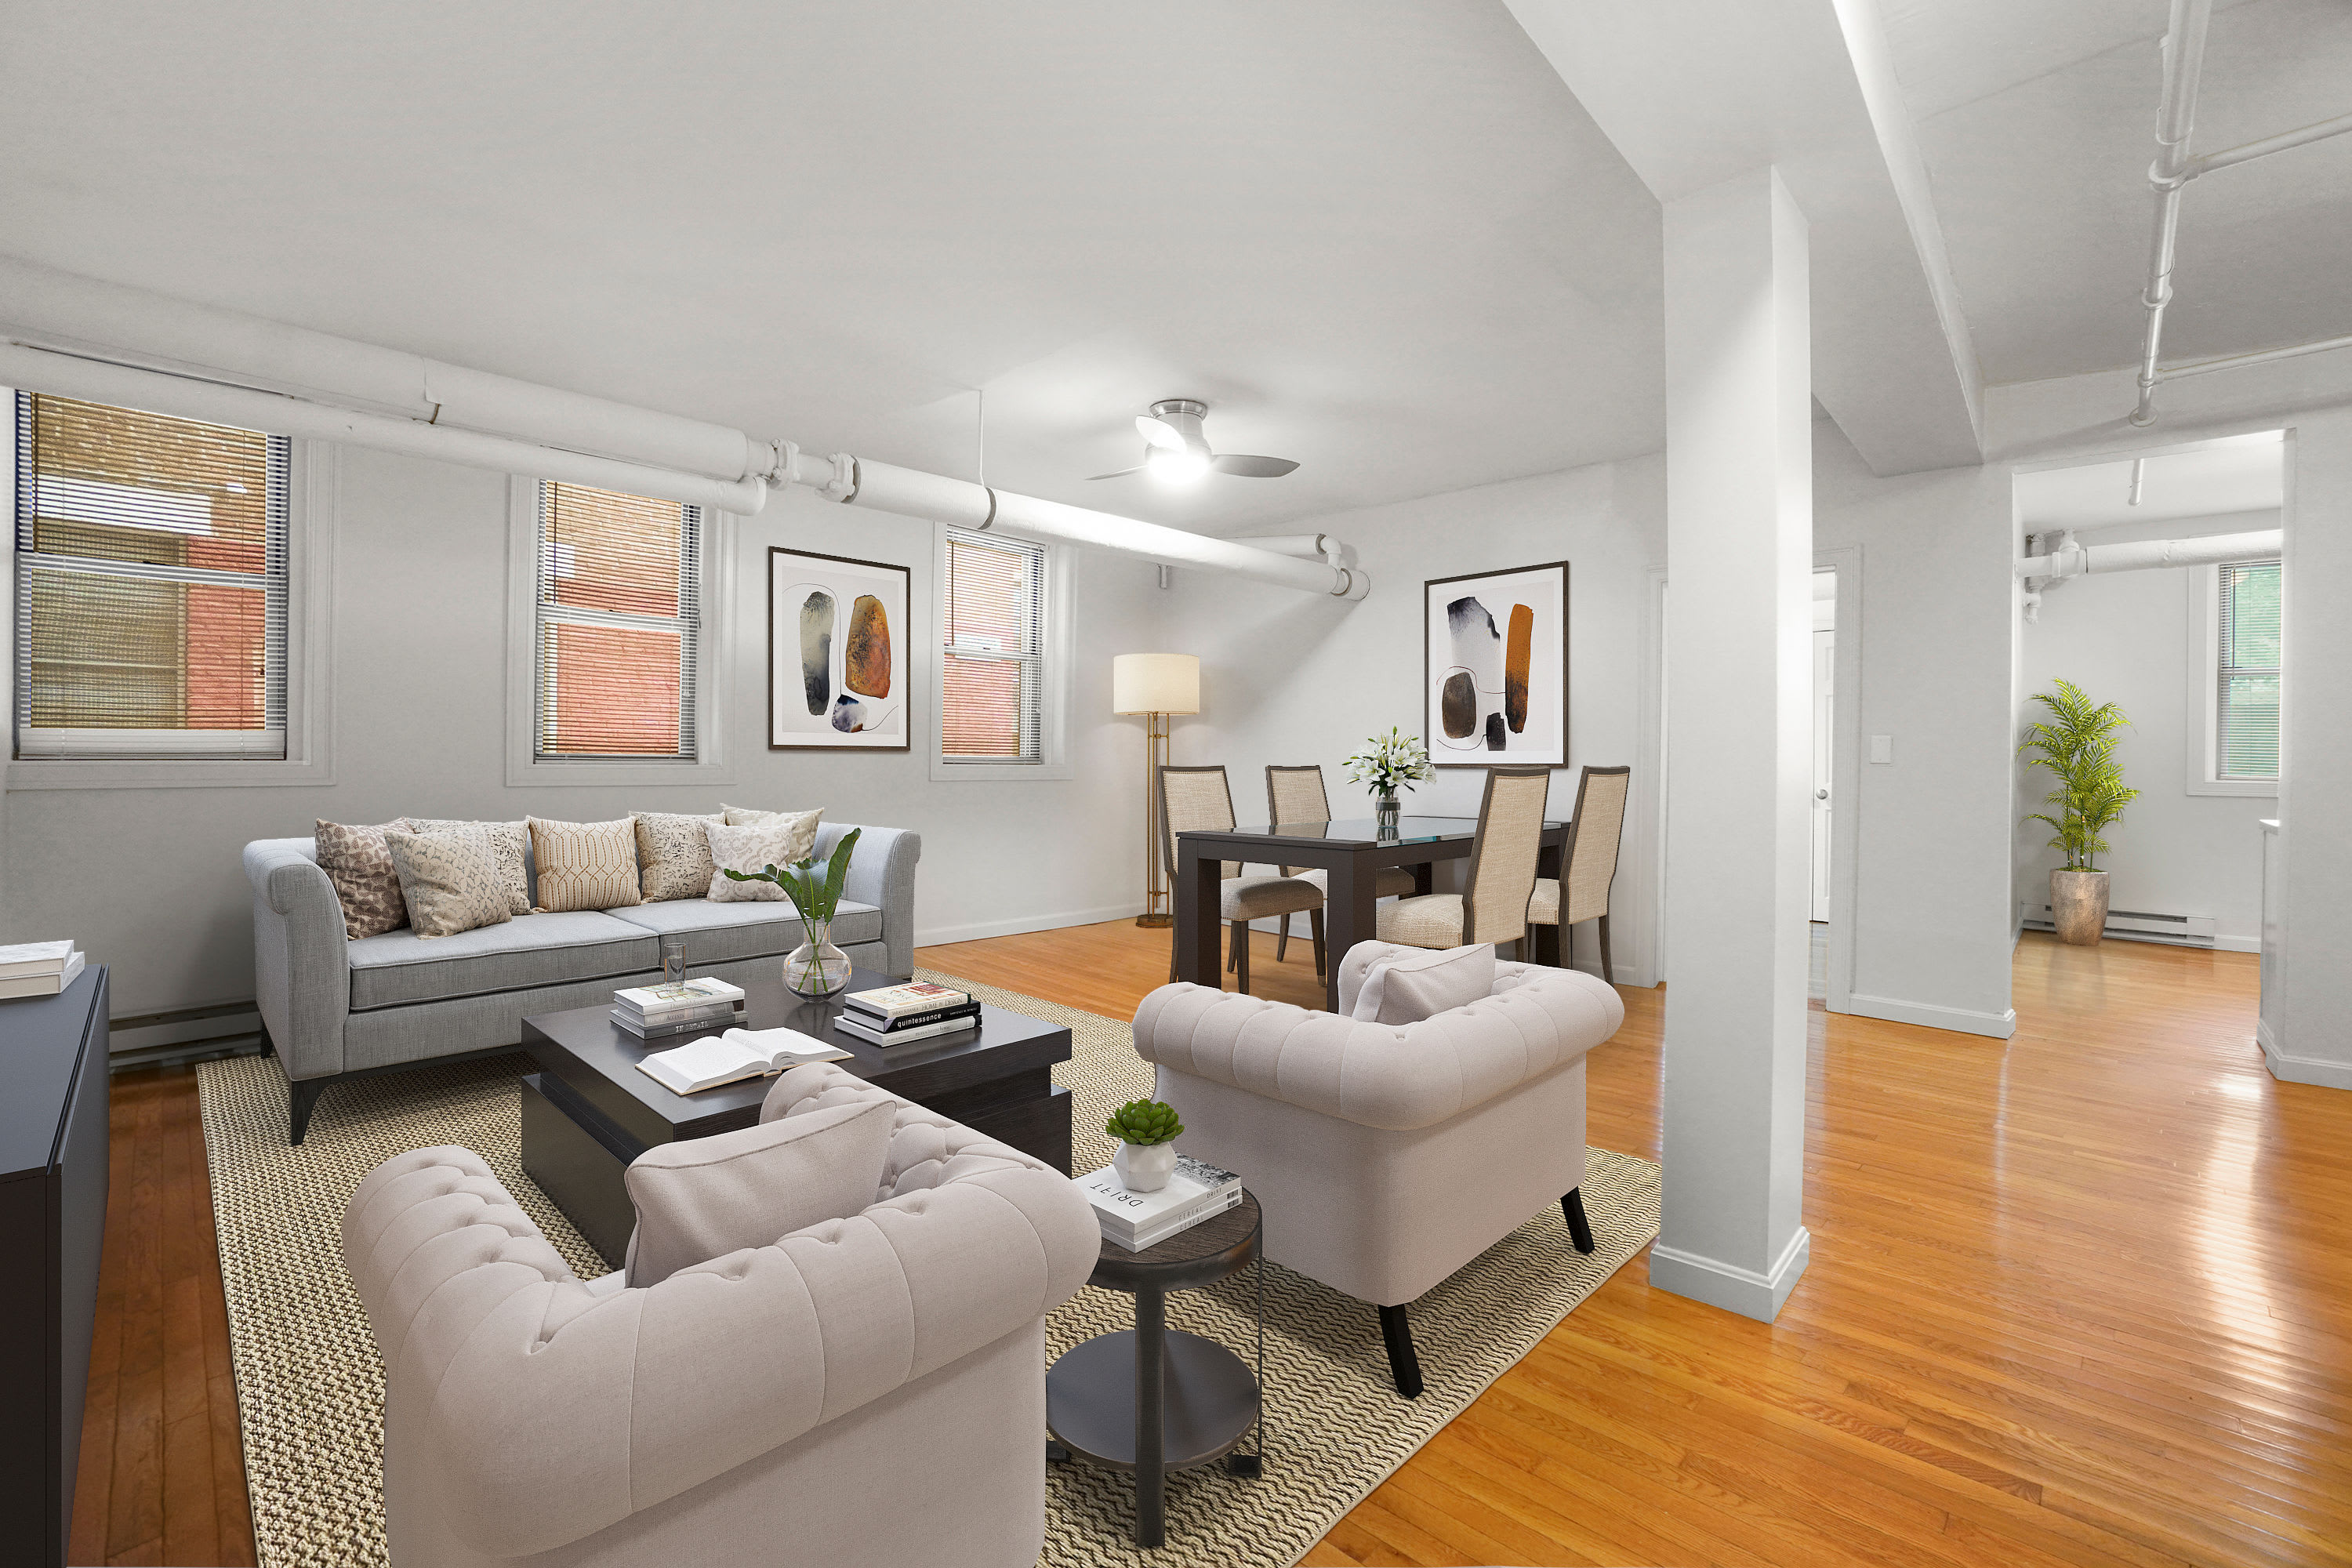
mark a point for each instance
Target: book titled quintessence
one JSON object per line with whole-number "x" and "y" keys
{"x": 738, "y": 1054}
{"x": 1196, "y": 1190}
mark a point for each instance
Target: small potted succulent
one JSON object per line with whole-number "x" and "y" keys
{"x": 1147, "y": 1130}
{"x": 1389, "y": 763}
{"x": 815, "y": 969}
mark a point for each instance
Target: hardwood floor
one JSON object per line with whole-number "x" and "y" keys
{"x": 2079, "y": 1298}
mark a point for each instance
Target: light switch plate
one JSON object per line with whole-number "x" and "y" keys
{"x": 1882, "y": 748}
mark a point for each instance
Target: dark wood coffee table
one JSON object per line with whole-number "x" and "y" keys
{"x": 588, "y": 1111}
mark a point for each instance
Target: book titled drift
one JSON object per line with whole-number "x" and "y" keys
{"x": 1196, "y": 1191}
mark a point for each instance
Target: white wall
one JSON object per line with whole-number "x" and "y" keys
{"x": 1286, "y": 678}
{"x": 2127, "y": 638}
{"x": 149, "y": 880}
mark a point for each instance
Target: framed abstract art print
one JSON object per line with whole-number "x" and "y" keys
{"x": 836, "y": 653}
{"x": 1494, "y": 668}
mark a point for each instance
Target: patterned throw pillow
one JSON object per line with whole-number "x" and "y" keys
{"x": 748, "y": 849}
{"x": 356, "y": 861}
{"x": 585, "y": 865}
{"x": 451, "y": 881}
{"x": 673, "y": 856}
{"x": 802, "y": 823}
{"x": 512, "y": 840}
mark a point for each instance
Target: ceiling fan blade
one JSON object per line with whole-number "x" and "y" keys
{"x": 1159, "y": 433}
{"x": 1249, "y": 467}
{"x": 1117, "y": 473}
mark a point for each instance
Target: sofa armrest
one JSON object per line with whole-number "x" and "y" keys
{"x": 301, "y": 968}
{"x": 881, "y": 873}
{"x": 1375, "y": 1075}
{"x": 551, "y": 1411}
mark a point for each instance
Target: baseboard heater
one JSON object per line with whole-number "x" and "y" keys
{"x": 2134, "y": 925}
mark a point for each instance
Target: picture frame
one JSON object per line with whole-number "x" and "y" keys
{"x": 838, "y": 657}
{"x": 1494, "y": 668}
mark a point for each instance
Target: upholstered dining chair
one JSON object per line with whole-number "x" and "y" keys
{"x": 1493, "y": 904}
{"x": 1591, "y": 862}
{"x": 1297, "y": 795}
{"x": 1199, "y": 799}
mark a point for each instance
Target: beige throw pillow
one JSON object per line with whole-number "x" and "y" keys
{"x": 359, "y": 865}
{"x": 1406, "y": 985}
{"x": 706, "y": 1197}
{"x": 748, "y": 849}
{"x": 585, "y": 865}
{"x": 673, "y": 856}
{"x": 512, "y": 840}
{"x": 802, "y": 823}
{"x": 450, "y": 882}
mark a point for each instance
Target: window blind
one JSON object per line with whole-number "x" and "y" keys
{"x": 2246, "y": 733}
{"x": 991, "y": 687}
{"x": 152, "y": 584}
{"x": 620, "y": 620}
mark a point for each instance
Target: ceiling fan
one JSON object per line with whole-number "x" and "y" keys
{"x": 1176, "y": 450}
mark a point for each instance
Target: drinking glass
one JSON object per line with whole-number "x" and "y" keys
{"x": 673, "y": 962}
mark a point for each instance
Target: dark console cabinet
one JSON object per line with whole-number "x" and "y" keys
{"x": 52, "y": 1093}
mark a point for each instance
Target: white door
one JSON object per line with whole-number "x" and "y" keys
{"x": 1823, "y": 663}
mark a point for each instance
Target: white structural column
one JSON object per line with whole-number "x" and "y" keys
{"x": 1739, "y": 548}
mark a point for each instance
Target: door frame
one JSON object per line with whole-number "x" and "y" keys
{"x": 1845, "y": 769}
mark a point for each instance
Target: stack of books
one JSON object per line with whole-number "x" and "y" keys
{"x": 1196, "y": 1191}
{"x": 917, "y": 1010}
{"x": 702, "y": 1006}
{"x": 38, "y": 968}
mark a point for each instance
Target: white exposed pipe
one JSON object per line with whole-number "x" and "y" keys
{"x": 2175, "y": 114}
{"x": 82, "y": 337}
{"x": 2074, "y": 560}
{"x": 100, "y": 382}
{"x": 2247, "y": 151}
{"x": 2259, "y": 357}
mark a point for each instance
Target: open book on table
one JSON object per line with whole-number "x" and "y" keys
{"x": 738, "y": 1054}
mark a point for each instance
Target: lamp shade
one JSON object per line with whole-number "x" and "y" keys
{"x": 1155, "y": 683}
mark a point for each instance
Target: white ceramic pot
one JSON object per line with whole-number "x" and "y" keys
{"x": 1144, "y": 1167}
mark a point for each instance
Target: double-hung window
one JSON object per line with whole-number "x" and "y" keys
{"x": 618, "y": 626}
{"x": 2245, "y": 691}
{"x": 993, "y": 691}
{"x": 151, "y": 586}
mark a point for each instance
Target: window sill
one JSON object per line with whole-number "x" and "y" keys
{"x": 2261, "y": 789}
{"x": 945, "y": 771}
{"x": 526, "y": 772}
{"x": 164, "y": 773}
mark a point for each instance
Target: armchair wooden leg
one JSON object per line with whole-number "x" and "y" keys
{"x": 1241, "y": 955}
{"x": 1580, "y": 1230}
{"x": 1396, "y": 1330}
{"x": 1608, "y": 972}
{"x": 301, "y": 1099}
{"x": 1315, "y": 923}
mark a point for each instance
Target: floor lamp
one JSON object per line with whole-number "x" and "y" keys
{"x": 1154, "y": 685}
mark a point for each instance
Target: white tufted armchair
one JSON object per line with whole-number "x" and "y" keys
{"x": 754, "y": 1408}
{"x": 1388, "y": 1156}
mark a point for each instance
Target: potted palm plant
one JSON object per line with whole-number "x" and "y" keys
{"x": 2077, "y": 744}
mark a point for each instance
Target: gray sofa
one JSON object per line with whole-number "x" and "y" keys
{"x": 334, "y": 1008}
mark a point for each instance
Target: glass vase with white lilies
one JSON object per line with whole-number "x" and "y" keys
{"x": 1387, "y": 763}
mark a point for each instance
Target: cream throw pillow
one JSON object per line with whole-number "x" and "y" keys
{"x": 513, "y": 840}
{"x": 450, "y": 882}
{"x": 803, "y": 823}
{"x": 585, "y": 865}
{"x": 748, "y": 849}
{"x": 704, "y": 1197}
{"x": 673, "y": 856}
{"x": 1406, "y": 985}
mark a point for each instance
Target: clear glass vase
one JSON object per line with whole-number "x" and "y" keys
{"x": 1386, "y": 810}
{"x": 816, "y": 969}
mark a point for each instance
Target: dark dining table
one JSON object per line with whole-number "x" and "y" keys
{"x": 1353, "y": 853}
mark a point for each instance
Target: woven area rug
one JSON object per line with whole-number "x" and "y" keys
{"x": 309, "y": 1386}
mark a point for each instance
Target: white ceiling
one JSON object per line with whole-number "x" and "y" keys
{"x": 1381, "y": 239}
{"x": 2216, "y": 479}
{"x": 2037, "y": 120}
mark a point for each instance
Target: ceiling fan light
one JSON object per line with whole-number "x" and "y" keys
{"x": 1176, "y": 465}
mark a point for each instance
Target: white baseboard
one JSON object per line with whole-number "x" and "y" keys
{"x": 977, "y": 929}
{"x": 1962, "y": 1020}
{"x": 2300, "y": 1070}
{"x": 1728, "y": 1286}
{"x": 2237, "y": 945}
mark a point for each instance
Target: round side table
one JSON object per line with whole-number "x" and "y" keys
{"x": 1150, "y": 1400}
